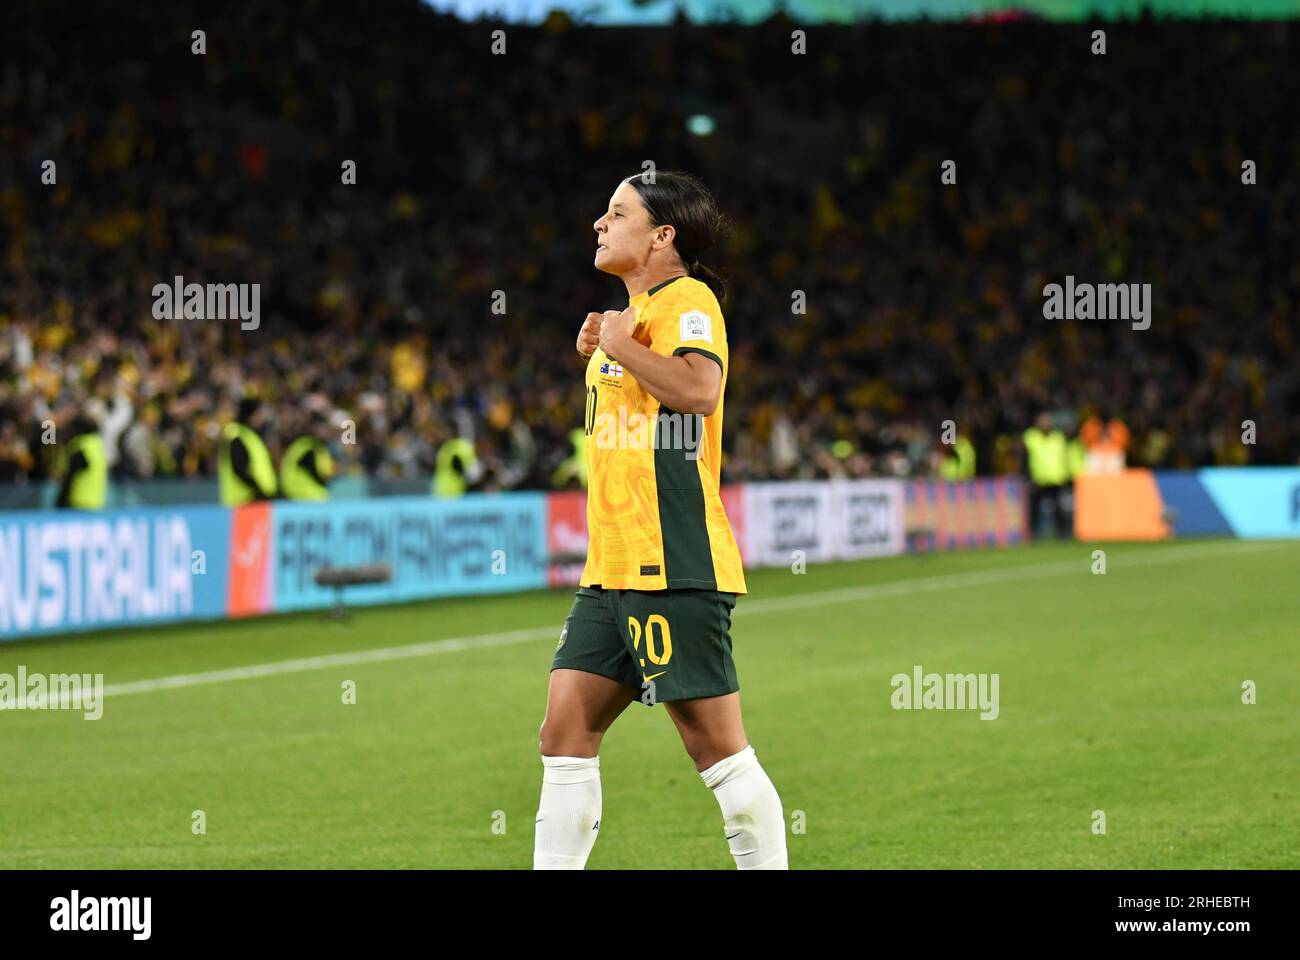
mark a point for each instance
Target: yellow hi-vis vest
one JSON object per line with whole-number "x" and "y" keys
{"x": 297, "y": 483}
{"x": 1049, "y": 460}
{"x": 574, "y": 465}
{"x": 1077, "y": 457}
{"x": 962, "y": 465}
{"x": 447, "y": 481}
{"x": 234, "y": 491}
{"x": 89, "y": 488}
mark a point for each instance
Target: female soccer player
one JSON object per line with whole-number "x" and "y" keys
{"x": 652, "y": 616}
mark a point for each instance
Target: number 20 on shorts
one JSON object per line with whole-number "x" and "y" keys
{"x": 664, "y": 653}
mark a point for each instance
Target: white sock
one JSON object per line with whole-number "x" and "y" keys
{"x": 751, "y": 811}
{"x": 568, "y": 817}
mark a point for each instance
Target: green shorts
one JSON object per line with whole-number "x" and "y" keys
{"x": 679, "y": 639}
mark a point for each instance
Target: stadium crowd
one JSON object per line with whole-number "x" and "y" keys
{"x": 379, "y": 298}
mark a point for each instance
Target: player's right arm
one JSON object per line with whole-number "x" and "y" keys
{"x": 589, "y": 336}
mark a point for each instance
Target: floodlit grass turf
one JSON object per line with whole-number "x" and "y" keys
{"x": 1119, "y": 693}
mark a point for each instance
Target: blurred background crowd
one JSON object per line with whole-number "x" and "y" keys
{"x": 923, "y": 300}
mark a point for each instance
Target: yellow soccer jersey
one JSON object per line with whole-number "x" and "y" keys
{"x": 655, "y": 520}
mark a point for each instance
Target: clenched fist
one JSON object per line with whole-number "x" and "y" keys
{"x": 589, "y": 336}
{"x": 616, "y": 329}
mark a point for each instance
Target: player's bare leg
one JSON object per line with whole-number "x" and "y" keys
{"x": 710, "y": 728}
{"x": 714, "y": 735}
{"x": 580, "y": 707}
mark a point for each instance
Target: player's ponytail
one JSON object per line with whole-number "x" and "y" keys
{"x": 682, "y": 200}
{"x": 710, "y": 279}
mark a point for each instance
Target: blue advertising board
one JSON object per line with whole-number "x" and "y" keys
{"x": 478, "y": 544}
{"x": 66, "y": 571}
{"x": 1256, "y": 501}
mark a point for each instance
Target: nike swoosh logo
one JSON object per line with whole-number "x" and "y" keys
{"x": 653, "y": 675}
{"x": 734, "y": 835}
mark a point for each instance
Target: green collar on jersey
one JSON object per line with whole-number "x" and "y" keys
{"x": 659, "y": 286}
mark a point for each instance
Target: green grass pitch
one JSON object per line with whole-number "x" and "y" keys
{"x": 1120, "y": 693}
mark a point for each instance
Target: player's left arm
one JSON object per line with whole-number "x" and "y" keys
{"x": 676, "y": 374}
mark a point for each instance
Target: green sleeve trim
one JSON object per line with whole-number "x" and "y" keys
{"x": 712, "y": 356}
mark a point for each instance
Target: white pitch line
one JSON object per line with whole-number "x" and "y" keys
{"x": 304, "y": 664}
{"x": 977, "y": 578}
{"x": 893, "y": 588}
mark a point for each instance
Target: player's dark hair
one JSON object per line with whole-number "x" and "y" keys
{"x": 682, "y": 200}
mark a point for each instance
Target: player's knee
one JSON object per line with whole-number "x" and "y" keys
{"x": 702, "y": 753}
{"x": 559, "y": 739}
{"x": 705, "y": 751}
